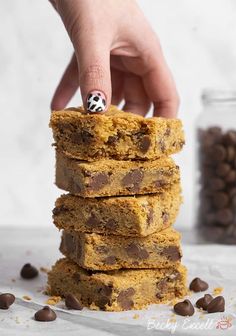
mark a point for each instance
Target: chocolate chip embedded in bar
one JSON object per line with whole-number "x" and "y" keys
{"x": 126, "y": 215}
{"x": 101, "y": 252}
{"x": 111, "y": 177}
{"x": 218, "y": 179}
{"x": 117, "y": 290}
{"x": 115, "y": 135}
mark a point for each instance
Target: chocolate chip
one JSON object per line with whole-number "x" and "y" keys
{"x": 220, "y": 200}
{"x": 93, "y": 221}
{"x": 231, "y": 153}
{"x": 172, "y": 253}
{"x": 83, "y": 137}
{"x": 133, "y": 179}
{"x": 165, "y": 217}
{"x": 6, "y": 300}
{"x": 198, "y": 285}
{"x": 102, "y": 249}
{"x": 68, "y": 243}
{"x": 224, "y": 216}
{"x": 216, "y": 184}
{"x": 124, "y": 299}
{"x": 216, "y": 305}
{"x": 59, "y": 209}
{"x": 231, "y": 177}
{"x": 150, "y": 216}
{"x": 105, "y": 290}
{"x": 98, "y": 181}
{"x": 222, "y": 169}
{"x": 184, "y": 308}
{"x": 218, "y": 153}
{"x": 144, "y": 143}
{"x": 72, "y": 302}
{"x": 162, "y": 287}
{"x": 46, "y": 314}
{"x": 230, "y": 138}
{"x": 111, "y": 224}
{"x": 111, "y": 260}
{"x": 136, "y": 252}
{"x": 160, "y": 183}
{"x": 105, "y": 293}
{"x": 28, "y": 271}
{"x": 112, "y": 139}
{"x": 204, "y": 301}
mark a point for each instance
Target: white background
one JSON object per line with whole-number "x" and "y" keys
{"x": 198, "y": 38}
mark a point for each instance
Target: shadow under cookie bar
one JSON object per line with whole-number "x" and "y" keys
{"x": 117, "y": 290}
{"x": 112, "y": 177}
{"x": 102, "y": 252}
{"x": 115, "y": 135}
{"x": 126, "y": 215}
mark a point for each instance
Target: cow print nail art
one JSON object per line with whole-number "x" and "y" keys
{"x": 96, "y": 102}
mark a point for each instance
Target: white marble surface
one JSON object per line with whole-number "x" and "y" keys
{"x": 198, "y": 39}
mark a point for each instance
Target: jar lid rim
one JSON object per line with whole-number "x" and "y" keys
{"x": 218, "y": 95}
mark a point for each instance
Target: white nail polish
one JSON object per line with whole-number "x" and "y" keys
{"x": 96, "y": 102}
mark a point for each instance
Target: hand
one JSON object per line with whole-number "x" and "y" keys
{"x": 117, "y": 56}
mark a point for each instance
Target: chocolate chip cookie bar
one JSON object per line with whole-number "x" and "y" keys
{"x": 117, "y": 290}
{"x": 112, "y": 177}
{"x": 126, "y": 215}
{"x": 102, "y": 252}
{"x": 114, "y": 135}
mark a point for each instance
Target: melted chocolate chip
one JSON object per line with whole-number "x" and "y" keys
{"x": 198, "y": 285}
{"x": 150, "y": 217}
{"x": 111, "y": 260}
{"x": 136, "y": 252}
{"x": 111, "y": 224}
{"x": 105, "y": 293}
{"x": 29, "y": 272}
{"x": 93, "y": 221}
{"x": 124, "y": 299}
{"x": 6, "y": 300}
{"x": 98, "y": 181}
{"x": 112, "y": 139}
{"x": 204, "y": 301}
{"x": 162, "y": 287}
{"x": 59, "y": 209}
{"x": 172, "y": 253}
{"x": 184, "y": 308}
{"x": 72, "y": 302}
{"x": 144, "y": 143}
{"x": 46, "y": 314}
{"x": 83, "y": 137}
{"x": 165, "y": 217}
{"x": 133, "y": 179}
{"x": 216, "y": 305}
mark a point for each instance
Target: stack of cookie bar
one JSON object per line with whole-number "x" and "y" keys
{"x": 120, "y": 249}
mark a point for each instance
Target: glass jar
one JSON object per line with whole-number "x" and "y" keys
{"x": 216, "y": 170}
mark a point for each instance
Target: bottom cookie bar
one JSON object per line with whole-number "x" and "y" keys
{"x": 117, "y": 290}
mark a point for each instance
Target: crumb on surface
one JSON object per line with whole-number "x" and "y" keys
{"x": 218, "y": 290}
{"x": 135, "y": 316}
{"x": 26, "y": 297}
{"x": 13, "y": 280}
{"x": 53, "y": 300}
{"x": 44, "y": 269}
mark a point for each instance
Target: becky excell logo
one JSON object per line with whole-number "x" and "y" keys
{"x": 172, "y": 325}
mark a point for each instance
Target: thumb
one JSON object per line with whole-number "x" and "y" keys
{"x": 95, "y": 77}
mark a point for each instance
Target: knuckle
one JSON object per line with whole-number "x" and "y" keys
{"x": 92, "y": 72}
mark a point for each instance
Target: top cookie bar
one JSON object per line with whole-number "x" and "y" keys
{"x": 115, "y": 134}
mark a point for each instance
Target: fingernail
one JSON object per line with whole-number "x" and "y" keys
{"x": 96, "y": 102}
